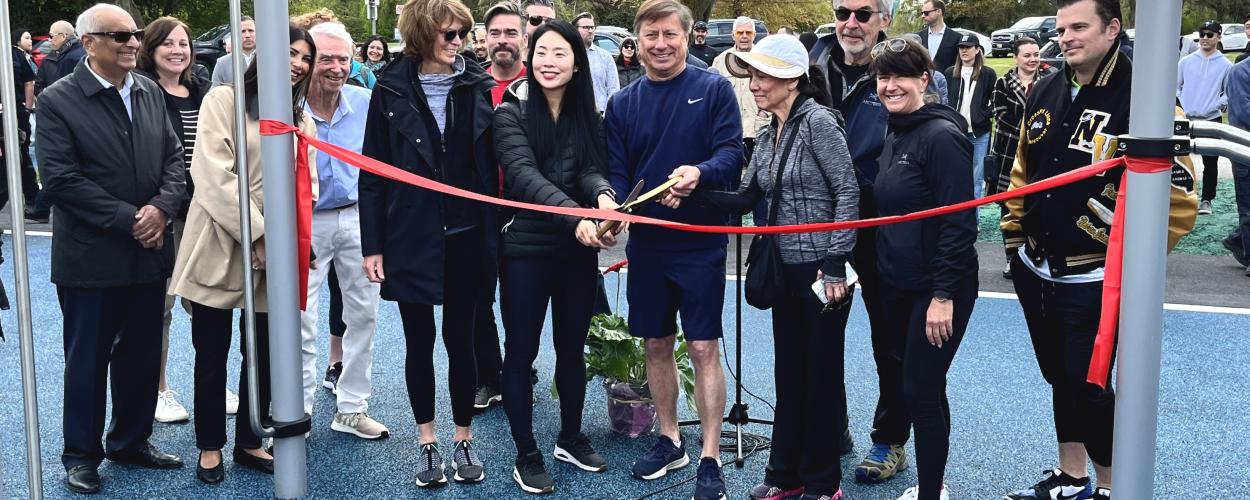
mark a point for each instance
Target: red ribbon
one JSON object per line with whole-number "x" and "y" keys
{"x": 616, "y": 267}
{"x": 303, "y": 203}
{"x": 1113, "y": 272}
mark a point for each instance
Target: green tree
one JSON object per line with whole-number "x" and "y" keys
{"x": 803, "y": 15}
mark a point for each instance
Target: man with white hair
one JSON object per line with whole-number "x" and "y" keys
{"x": 112, "y": 168}
{"x": 223, "y": 69}
{"x": 339, "y": 110}
{"x": 61, "y": 61}
{"x": 752, "y": 117}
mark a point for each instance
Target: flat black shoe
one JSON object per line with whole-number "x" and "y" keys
{"x": 148, "y": 457}
{"x": 82, "y": 479}
{"x": 36, "y": 216}
{"x": 261, "y": 464}
{"x": 210, "y": 476}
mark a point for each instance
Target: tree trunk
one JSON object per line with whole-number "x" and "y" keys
{"x": 702, "y": 9}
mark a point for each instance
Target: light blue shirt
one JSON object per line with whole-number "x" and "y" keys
{"x": 603, "y": 73}
{"x": 935, "y": 41}
{"x": 124, "y": 92}
{"x": 337, "y": 180}
{"x": 1200, "y": 82}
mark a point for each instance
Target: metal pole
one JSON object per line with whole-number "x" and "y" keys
{"x": 245, "y": 223}
{"x": 1145, "y": 251}
{"x": 21, "y": 273}
{"x": 290, "y": 464}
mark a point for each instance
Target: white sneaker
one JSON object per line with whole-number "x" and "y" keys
{"x": 168, "y": 409}
{"x": 359, "y": 425}
{"x": 914, "y": 492}
{"x": 232, "y": 403}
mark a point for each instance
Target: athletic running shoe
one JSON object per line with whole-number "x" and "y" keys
{"x": 661, "y": 458}
{"x": 1102, "y": 494}
{"x": 709, "y": 483}
{"x": 1056, "y": 485}
{"x": 813, "y": 496}
{"x": 914, "y": 492}
{"x": 469, "y": 468}
{"x": 168, "y": 409}
{"x": 232, "y": 403}
{"x": 882, "y": 463}
{"x": 531, "y": 474}
{"x": 577, "y": 451}
{"x": 1204, "y": 207}
{"x": 765, "y": 491}
{"x": 486, "y": 395}
{"x": 360, "y": 425}
{"x": 333, "y": 373}
{"x": 430, "y": 467}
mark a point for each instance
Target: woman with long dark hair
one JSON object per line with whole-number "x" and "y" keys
{"x": 374, "y": 53}
{"x": 628, "y": 65}
{"x": 970, "y": 88}
{"x": 549, "y": 144}
{"x": 431, "y": 115}
{"x": 803, "y": 169}
{"x": 209, "y": 269}
{"x": 929, "y": 267}
{"x": 167, "y": 57}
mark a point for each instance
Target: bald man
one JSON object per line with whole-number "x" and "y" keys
{"x": 68, "y": 51}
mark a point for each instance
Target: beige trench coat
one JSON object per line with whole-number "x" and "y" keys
{"x": 209, "y": 268}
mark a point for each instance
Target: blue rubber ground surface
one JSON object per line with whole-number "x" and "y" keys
{"x": 1001, "y": 438}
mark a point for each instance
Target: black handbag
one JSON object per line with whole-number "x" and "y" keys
{"x": 765, "y": 280}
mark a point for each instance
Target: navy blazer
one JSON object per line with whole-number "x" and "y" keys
{"x": 100, "y": 166}
{"x": 947, "y": 52}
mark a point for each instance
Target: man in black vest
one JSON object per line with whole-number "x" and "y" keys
{"x": 112, "y": 168}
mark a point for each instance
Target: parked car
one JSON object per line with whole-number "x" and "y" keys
{"x": 826, "y": 29}
{"x": 211, "y": 45}
{"x": 1233, "y": 38}
{"x": 616, "y": 31}
{"x": 41, "y": 46}
{"x": 608, "y": 42}
{"x": 1050, "y": 53}
{"x": 985, "y": 40}
{"x": 1040, "y": 28}
{"x": 720, "y": 33}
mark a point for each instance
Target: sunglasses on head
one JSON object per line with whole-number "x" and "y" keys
{"x": 120, "y": 36}
{"x": 895, "y": 45}
{"x": 861, "y": 15}
{"x": 539, "y": 20}
{"x": 453, "y": 34}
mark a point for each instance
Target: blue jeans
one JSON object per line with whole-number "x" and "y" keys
{"x": 980, "y": 146}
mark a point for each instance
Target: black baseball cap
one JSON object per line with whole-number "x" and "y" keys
{"x": 701, "y": 26}
{"x": 1211, "y": 26}
{"x": 968, "y": 40}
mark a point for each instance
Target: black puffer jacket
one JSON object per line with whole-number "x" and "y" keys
{"x": 560, "y": 183}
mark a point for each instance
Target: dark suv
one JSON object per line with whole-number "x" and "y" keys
{"x": 211, "y": 45}
{"x": 720, "y": 33}
{"x": 1041, "y": 28}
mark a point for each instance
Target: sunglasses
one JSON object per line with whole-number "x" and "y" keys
{"x": 627, "y": 46}
{"x": 120, "y": 36}
{"x": 453, "y": 34}
{"x": 1206, "y": 34}
{"x": 538, "y": 20}
{"x": 925, "y": 12}
{"x": 895, "y": 45}
{"x": 861, "y": 15}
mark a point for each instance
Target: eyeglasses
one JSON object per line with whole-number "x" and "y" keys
{"x": 539, "y": 20}
{"x": 453, "y": 34}
{"x": 120, "y": 36}
{"x": 587, "y": 28}
{"x": 1206, "y": 34}
{"x": 744, "y": 33}
{"x": 895, "y": 45}
{"x": 861, "y": 15}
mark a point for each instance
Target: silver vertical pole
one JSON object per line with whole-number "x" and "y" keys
{"x": 1145, "y": 250}
{"x": 290, "y": 464}
{"x": 21, "y": 274}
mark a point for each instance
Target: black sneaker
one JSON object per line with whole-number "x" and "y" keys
{"x": 430, "y": 467}
{"x": 469, "y": 468}
{"x": 577, "y": 451}
{"x": 486, "y": 395}
{"x": 1102, "y": 494}
{"x": 1056, "y": 485}
{"x": 531, "y": 474}
{"x": 331, "y": 381}
{"x": 1235, "y": 248}
{"x": 709, "y": 483}
{"x": 661, "y": 458}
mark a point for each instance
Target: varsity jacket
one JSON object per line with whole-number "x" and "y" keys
{"x": 1069, "y": 226}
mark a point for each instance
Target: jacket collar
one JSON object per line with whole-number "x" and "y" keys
{"x": 90, "y": 83}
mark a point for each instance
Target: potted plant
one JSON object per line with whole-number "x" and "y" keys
{"x": 620, "y": 359}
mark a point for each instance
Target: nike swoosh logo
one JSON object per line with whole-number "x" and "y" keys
{"x": 1066, "y": 492}
{"x": 692, "y": 101}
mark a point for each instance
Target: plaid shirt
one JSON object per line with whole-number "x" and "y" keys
{"x": 1009, "y": 98}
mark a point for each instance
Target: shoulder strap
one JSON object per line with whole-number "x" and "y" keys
{"x": 785, "y": 155}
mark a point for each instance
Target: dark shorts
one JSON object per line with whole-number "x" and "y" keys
{"x": 663, "y": 284}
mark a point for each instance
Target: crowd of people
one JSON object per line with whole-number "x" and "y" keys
{"x": 854, "y": 125}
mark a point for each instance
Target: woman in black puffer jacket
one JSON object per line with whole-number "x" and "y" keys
{"x": 552, "y": 153}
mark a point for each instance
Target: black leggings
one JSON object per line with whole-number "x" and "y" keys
{"x": 924, "y": 377}
{"x": 811, "y": 397}
{"x": 211, "y": 330}
{"x": 528, "y": 284}
{"x": 463, "y": 256}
